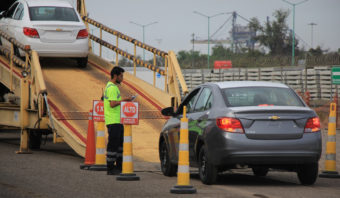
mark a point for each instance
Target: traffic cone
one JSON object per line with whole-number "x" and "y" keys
{"x": 100, "y": 164}
{"x": 330, "y": 162}
{"x": 183, "y": 173}
{"x": 90, "y": 145}
{"x": 127, "y": 172}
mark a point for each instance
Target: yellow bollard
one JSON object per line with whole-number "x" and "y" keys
{"x": 100, "y": 162}
{"x": 127, "y": 172}
{"x": 330, "y": 162}
{"x": 183, "y": 173}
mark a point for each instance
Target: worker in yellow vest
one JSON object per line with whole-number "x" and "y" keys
{"x": 112, "y": 100}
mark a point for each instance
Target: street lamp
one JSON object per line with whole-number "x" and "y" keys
{"x": 143, "y": 26}
{"x": 209, "y": 31}
{"x": 312, "y": 24}
{"x": 293, "y": 45}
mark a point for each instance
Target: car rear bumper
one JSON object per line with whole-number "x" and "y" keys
{"x": 238, "y": 149}
{"x": 78, "y": 48}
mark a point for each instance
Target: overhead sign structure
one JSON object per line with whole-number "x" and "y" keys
{"x": 98, "y": 111}
{"x": 336, "y": 75}
{"x": 129, "y": 113}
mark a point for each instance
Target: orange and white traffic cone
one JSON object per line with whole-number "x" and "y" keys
{"x": 330, "y": 162}
{"x": 183, "y": 174}
{"x": 127, "y": 172}
{"x": 100, "y": 164}
{"x": 90, "y": 145}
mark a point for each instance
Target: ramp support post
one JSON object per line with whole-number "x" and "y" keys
{"x": 24, "y": 116}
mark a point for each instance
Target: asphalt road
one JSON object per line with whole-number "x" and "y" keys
{"x": 54, "y": 171}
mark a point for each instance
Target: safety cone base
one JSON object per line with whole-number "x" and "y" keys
{"x": 85, "y": 166}
{"x": 98, "y": 167}
{"x": 329, "y": 174}
{"x": 127, "y": 177}
{"x": 178, "y": 189}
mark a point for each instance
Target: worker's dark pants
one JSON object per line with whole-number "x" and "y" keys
{"x": 115, "y": 146}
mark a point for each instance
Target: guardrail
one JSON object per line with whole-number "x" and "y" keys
{"x": 172, "y": 72}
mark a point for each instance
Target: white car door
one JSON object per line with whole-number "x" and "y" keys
{"x": 5, "y": 22}
{"x": 15, "y": 24}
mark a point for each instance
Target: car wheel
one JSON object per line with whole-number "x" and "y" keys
{"x": 207, "y": 171}
{"x": 260, "y": 171}
{"x": 82, "y": 62}
{"x": 307, "y": 173}
{"x": 168, "y": 169}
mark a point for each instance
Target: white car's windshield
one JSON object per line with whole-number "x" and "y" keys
{"x": 261, "y": 96}
{"x": 48, "y": 13}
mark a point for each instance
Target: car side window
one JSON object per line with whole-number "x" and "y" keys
{"x": 203, "y": 99}
{"x": 11, "y": 10}
{"x": 190, "y": 105}
{"x": 19, "y": 12}
{"x": 209, "y": 102}
{"x": 188, "y": 102}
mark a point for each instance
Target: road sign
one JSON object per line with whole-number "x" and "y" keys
{"x": 98, "y": 111}
{"x": 336, "y": 75}
{"x": 129, "y": 113}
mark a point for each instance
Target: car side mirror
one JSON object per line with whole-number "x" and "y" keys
{"x": 169, "y": 111}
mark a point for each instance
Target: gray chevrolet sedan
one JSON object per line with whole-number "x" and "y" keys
{"x": 260, "y": 125}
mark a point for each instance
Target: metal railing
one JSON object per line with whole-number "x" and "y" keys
{"x": 172, "y": 71}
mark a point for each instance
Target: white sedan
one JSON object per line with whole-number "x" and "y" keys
{"x": 52, "y": 28}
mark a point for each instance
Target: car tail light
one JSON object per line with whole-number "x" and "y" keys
{"x": 82, "y": 34}
{"x": 312, "y": 125}
{"x": 31, "y": 32}
{"x": 230, "y": 125}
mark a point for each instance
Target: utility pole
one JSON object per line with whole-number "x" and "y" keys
{"x": 143, "y": 26}
{"x": 293, "y": 44}
{"x": 193, "y": 50}
{"x": 311, "y": 25}
{"x": 208, "y": 17}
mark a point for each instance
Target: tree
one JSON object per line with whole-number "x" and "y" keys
{"x": 316, "y": 52}
{"x": 274, "y": 34}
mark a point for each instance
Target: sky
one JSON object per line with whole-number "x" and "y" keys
{"x": 176, "y": 21}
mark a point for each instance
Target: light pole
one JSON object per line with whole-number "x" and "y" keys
{"x": 312, "y": 24}
{"x": 209, "y": 31}
{"x": 143, "y": 26}
{"x": 293, "y": 45}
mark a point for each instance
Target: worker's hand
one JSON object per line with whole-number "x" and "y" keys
{"x": 130, "y": 98}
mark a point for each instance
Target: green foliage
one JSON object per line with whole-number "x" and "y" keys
{"x": 275, "y": 35}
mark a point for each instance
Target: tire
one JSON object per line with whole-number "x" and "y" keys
{"x": 168, "y": 169}
{"x": 207, "y": 171}
{"x": 34, "y": 139}
{"x": 82, "y": 62}
{"x": 260, "y": 171}
{"x": 308, "y": 173}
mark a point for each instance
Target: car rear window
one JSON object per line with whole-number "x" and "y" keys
{"x": 52, "y": 14}
{"x": 261, "y": 96}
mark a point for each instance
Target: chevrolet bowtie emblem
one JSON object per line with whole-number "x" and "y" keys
{"x": 274, "y": 117}
{"x": 58, "y": 30}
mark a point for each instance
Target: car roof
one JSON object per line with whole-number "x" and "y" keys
{"x": 233, "y": 84}
{"x": 33, "y": 3}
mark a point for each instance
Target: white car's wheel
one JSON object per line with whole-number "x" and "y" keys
{"x": 82, "y": 62}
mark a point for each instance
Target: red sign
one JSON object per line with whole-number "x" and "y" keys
{"x": 129, "y": 113}
{"x": 98, "y": 111}
{"x": 223, "y": 64}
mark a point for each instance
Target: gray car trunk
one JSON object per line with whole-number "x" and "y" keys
{"x": 273, "y": 123}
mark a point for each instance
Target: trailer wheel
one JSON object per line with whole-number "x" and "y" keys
{"x": 34, "y": 139}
